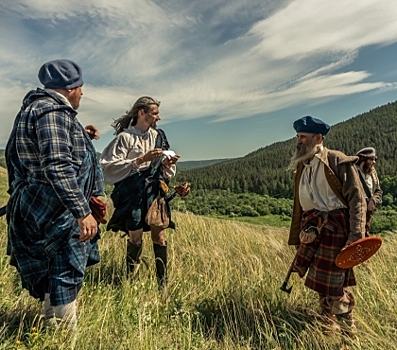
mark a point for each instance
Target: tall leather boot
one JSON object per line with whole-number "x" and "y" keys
{"x": 133, "y": 253}
{"x": 160, "y": 254}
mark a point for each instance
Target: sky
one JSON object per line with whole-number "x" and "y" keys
{"x": 231, "y": 75}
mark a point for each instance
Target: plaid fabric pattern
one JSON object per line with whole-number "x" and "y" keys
{"x": 317, "y": 259}
{"x": 66, "y": 276}
{"x": 51, "y": 145}
{"x": 53, "y": 171}
{"x": 133, "y": 196}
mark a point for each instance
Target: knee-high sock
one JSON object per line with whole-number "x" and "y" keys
{"x": 48, "y": 310}
{"x": 67, "y": 313}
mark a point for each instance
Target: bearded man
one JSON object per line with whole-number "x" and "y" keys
{"x": 370, "y": 181}
{"x": 329, "y": 214}
{"x": 135, "y": 163}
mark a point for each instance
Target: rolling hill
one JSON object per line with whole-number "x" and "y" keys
{"x": 223, "y": 293}
{"x": 193, "y": 164}
{"x": 264, "y": 170}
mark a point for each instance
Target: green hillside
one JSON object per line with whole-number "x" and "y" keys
{"x": 223, "y": 293}
{"x": 264, "y": 171}
{"x": 258, "y": 187}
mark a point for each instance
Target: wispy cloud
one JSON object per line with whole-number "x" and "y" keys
{"x": 225, "y": 58}
{"x": 309, "y": 27}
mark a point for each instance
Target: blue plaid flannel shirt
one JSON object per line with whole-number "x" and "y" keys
{"x": 53, "y": 171}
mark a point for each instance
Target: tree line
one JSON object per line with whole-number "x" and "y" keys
{"x": 264, "y": 171}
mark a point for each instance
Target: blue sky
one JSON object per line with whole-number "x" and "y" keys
{"x": 232, "y": 75}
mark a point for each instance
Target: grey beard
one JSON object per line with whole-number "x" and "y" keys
{"x": 302, "y": 154}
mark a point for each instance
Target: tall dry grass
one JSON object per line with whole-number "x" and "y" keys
{"x": 223, "y": 293}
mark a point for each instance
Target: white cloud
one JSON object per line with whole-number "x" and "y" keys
{"x": 316, "y": 89}
{"x": 11, "y": 95}
{"x": 306, "y": 27}
{"x": 225, "y": 59}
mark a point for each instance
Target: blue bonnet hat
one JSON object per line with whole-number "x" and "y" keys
{"x": 61, "y": 74}
{"x": 311, "y": 125}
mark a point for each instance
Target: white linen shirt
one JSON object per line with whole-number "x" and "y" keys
{"x": 314, "y": 190}
{"x": 118, "y": 159}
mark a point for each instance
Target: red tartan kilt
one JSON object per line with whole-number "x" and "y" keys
{"x": 317, "y": 260}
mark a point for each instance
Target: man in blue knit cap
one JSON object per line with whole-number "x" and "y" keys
{"x": 53, "y": 172}
{"x": 329, "y": 213}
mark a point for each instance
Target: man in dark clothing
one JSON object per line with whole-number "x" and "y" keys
{"x": 53, "y": 171}
{"x": 135, "y": 162}
{"x": 370, "y": 181}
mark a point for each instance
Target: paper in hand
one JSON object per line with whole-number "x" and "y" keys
{"x": 169, "y": 154}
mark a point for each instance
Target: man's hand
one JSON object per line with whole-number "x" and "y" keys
{"x": 371, "y": 205}
{"x": 183, "y": 189}
{"x": 88, "y": 226}
{"x": 169, "y": 161}
{"x": 92, "y": 131}
{"x": 149, "y": 156}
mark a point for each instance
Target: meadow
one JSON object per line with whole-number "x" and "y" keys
{"x": 223, "y": 293}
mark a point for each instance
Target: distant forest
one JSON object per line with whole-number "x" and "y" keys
{"x": 265, "y": 171}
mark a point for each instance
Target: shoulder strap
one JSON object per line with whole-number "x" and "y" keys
{"x": 335, "y": 184}
{"x": 161, "y": 141}
{"x": 365, "y": 186}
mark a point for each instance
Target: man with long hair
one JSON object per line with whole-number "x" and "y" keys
{"x": 369, "y": 179}
{"x": 137, "y": 166}
{"x": 328, "y": 215}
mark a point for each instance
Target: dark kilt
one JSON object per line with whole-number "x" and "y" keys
{"x": 132, "y": 198}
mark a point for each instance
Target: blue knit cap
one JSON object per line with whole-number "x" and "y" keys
{"x": 312, "y": 125}
{"x": 60, "y": 74}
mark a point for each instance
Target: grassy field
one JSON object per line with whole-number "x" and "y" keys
{"x": 268, "y": 220}
{"x": 223, "y": 293}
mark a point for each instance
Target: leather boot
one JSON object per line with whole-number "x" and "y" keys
{"x": 160, "y": 254}
{"x": 328, "y": 319}
{"x": 133, "y": 254}
{"x": 347, "y": 324}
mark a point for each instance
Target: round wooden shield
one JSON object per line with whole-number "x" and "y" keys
{"x": 358, "y": 252}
